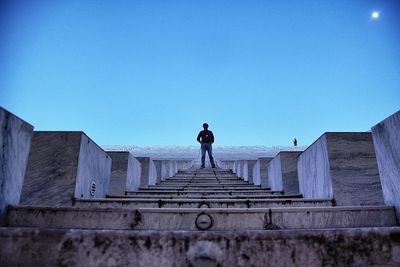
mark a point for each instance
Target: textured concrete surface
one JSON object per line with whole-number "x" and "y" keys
{"x": 165, "y": 170}
{"x": 250, "y": 167}
{"x": 148, "y": 171}
{"x": 61, "y": 166}
{"x": 158, "y": 165}
{"x": 386, "y": 137}
{"x": 94, "y": 165}
{"x": 186, "y": 219}
{"x": 264, "y": 171}
{"x": 195, "y": 203}
{"x": 205, "y": 196}
{"x": 282, "y": 172}
{"x": 15, "y": 142}
{"x": 342, "y": 166}
{"x": 244, "y": 170}
{"x": 333, "y": 247}
{"x": 125, "y": 172}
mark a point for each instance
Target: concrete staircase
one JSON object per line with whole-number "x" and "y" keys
{"x": 207, "y": 217}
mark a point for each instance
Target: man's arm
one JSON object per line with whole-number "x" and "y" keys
{"x": 212, "y": 137}
{"x": 198, "y": 137}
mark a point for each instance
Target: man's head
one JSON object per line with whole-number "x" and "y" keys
{"x": 205, "y": 126}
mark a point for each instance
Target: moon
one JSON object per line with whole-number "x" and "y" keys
{"x": 375, "y": 15}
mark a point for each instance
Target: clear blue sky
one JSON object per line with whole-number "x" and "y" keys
{"x": 151, "y": 72}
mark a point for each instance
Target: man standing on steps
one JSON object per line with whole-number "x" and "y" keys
{"x": 206, "y": 139}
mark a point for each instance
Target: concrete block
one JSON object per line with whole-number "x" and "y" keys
{"x": 342, "y": 166}
{"x": 125, "y": 173}
{"x": 282, "y": 172}
{"x": 172, "y": 169}
{"x": 256, "y": 173}
{"x": 15, "y": 142}
{"x": 260, "y": 172}
{"x": 386, "y": 137}
{"x": 63, "y": 166}
{"x": 148, "y": 171}
{"x": 158, "y": 165}
{"x": 243, "y": 170}
{"x": 250, "y": 166}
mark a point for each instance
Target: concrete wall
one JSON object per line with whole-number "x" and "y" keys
{"x": 62, "y": 166}
{"x": 282, "y": 172}
{"x": 125, "y": 173}
{"x": 15, "y": 142}
{"x": 386, "y": 137}
{"x": 342, "y": 166}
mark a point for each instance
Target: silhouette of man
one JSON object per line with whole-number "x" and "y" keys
{"x": 295, "y": 142}
{"x": 206, "y": 139}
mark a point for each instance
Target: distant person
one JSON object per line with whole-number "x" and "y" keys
{"x": 206, "y": 139}
{"x": 295, "y": 142}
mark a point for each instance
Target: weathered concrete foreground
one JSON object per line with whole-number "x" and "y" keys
{"x": 329, "y": 247}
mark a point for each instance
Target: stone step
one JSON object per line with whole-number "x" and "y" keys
{"x": 213, "y": 183}
{"x": 200, "y": 218}
{"x": 209, "y": 179}
{"x": 316, "y": 247}
{"x": 202, "y": 192}
{"x": 188, "y": 187}
{"x": 191, "y": 196}
{"x": 208, "y": 182}
{"x": 222, "y": 176}
{"x": 216, "y": 186}
{"x": 197, "y": 203}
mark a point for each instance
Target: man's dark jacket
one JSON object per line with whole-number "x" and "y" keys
{"x": 205, "y": 136}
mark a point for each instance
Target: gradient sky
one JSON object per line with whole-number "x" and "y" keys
{"x": 151, "y": 72}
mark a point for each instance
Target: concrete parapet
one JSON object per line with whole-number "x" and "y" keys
{"x": 341, "y": 166}
{"x": 282, "y": 172}
{"x": 64, "y": 165}
{"x": 386, "y": 137}
{"x": 15, "y": 142}
{"x": 148, "y": 172}
{"x": 125, "y": 173}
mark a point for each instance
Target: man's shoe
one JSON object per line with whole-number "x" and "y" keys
{"x": 202, "y": 167}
